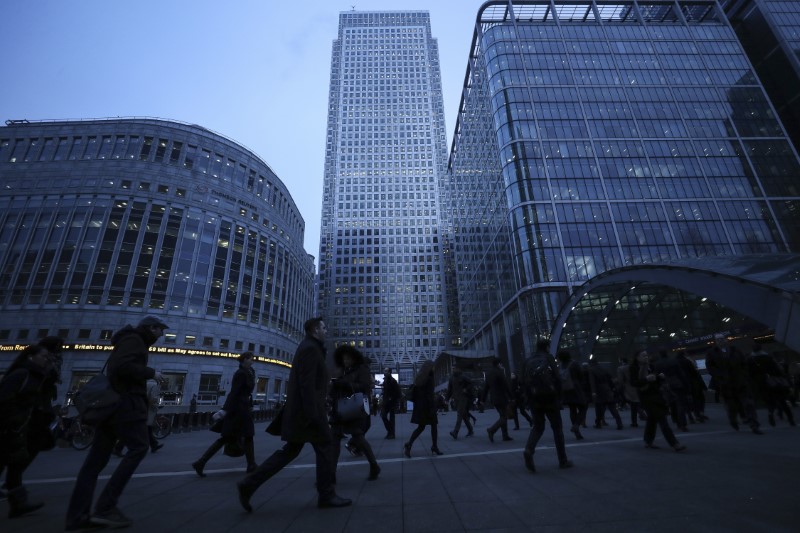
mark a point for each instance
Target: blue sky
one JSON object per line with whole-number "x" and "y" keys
{"x": 254, "y": 71}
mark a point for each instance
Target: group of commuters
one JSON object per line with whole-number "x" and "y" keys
{"x": 655, "y": 389}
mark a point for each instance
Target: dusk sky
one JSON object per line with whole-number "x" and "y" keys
{"x": 257, "y": 72}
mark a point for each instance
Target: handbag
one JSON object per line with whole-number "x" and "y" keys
{"x": 96, "y": 401}
{"x": 353, "y": 407}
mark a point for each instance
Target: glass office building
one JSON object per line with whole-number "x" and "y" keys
{"x": 105, "y": 221}
{"x": 769, "y": 31}
{"x": 597, "y": 135}
{"x": 380, "y": 260}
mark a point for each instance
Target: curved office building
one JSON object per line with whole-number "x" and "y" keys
{"x": 105, "y": 221}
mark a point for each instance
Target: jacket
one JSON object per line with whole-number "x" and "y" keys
{"x": 238, "y": 419}
{"x": 305, "y": 415}
{"x": 356, "y": 378}
{"x": 424, "y": 400}
{"x": 128, "y": 372}
{"x": 497, "y": 387}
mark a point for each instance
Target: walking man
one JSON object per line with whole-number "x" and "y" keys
{"x": 458, "y": 390}
{"x": 391, "y": 398}
{"x": 128, "y": 373}
{"x": 543, "y": 389}
{"x": 305, "y": 420}
{"x": 497, "y": 386}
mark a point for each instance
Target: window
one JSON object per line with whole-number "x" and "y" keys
{"x": 238, "y": 345}
{"x": 63, "y": 333}
{"x": 22, "y": 334}
{"x": 106, "y": 334}
{"x": 84, "y": 333}
{"x": 170, "y": 338}
{"x": 208, "y": 341}
{"x": 190, "y": 340}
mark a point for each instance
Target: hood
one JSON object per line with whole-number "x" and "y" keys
{"x": 144, "y": 333}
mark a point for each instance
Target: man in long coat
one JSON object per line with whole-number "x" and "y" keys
{"x": 305, "y": 420}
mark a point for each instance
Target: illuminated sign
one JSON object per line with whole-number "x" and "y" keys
{"x": 154, "y": 350}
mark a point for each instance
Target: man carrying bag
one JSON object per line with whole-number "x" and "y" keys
{"x": 128, "y": 374}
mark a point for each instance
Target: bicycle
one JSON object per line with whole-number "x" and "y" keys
{"x": 80, "y": 436}
{"x": 162, "y": 426}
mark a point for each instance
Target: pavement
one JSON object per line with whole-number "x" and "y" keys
{"x": 724, "y": 481}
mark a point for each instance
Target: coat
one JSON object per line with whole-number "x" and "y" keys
{"x": 576, "y": 395}
{"x": 498, "y": 388}
{"x": 650, "y": 396}
{"x": 238, "y": 421}
{"x": 424, "y": 399}
{"x": 630, "y": 392}
{"x": 305, "y": 416}
{"x": 458, "y": 388}
{"x": 391, "y": 394}
{"x": 128, "y": 372}
{"x": 21, "y": 398}
{"x": 602, "y": 384}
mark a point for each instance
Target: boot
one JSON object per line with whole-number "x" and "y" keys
{"x": 18, "y": 503}
{"x": 249, "y": 454}
{"x": 200, "y": 464}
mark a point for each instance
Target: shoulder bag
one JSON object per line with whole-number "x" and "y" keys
{"x": 96, "y": 401}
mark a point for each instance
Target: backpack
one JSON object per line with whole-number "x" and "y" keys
{"x": 539, "y": 378}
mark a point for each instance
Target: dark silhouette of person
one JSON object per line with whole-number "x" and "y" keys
{"x": 391, "y": 400}
{"x": 458, "y": 390}
{"x": 498, "y": 389}
{"x": 424, "y": 412}
{"x": 649, "y": 384}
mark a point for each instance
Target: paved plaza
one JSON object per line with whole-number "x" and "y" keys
{"x": 725, "y": 481}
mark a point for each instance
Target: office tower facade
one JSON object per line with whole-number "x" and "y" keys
{"x": 105, "y": 221}
{"x": 380, "y": 260}
{"x": 597, "y": 135}
{"x": 769, "y": 31}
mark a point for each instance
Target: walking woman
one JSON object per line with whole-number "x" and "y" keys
{"x": 572, "y": 394}
{"x": 424, "y": 413}
{"x": 237, "y": 416}
{"x": 648, "y": 383}
{"x": 354, "y": 376}
{"x": 21, "y": 393}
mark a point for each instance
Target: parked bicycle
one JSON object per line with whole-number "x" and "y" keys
{"x": 80, "y": 436}
{"x": 162, "y": 426}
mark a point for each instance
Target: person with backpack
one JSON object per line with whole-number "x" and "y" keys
{"x": 572, "y": 391}
{"x": 543, "y": 389}
{"x": 497, "y": 387}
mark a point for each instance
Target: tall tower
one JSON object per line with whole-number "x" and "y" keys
{"x": 381, "y": 280}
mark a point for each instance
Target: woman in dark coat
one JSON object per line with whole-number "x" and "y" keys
{"x": 21, "y": 393}
{"x": 572, "y": 394}
{"x": 354, "y": 376}
{"x": 648, "y": 383}
{"x": 424, "y": 413}
{"x": 237, "y": 416}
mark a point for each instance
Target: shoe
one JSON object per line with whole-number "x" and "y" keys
{"x": 436, "y": 451}
{"x": 333, "y": 501}
{"x": 566, "y": 464}
{"x": 374, "y": 472}
{"x": 528, "y": 457}
{"x": 679, "y": 447}
{"x": 112, "y": 518}
{"x": 454, "y": 435}
{"x": 407, "y": 450}
{"x": 771, "y": 419}
{"x": 84, "y": 525}
{"x": 154, "y": 449}
{"x": 18, "y": 503}
{"x": 507, "y": 438}
{"x": 244, "y": 497}
{"x": 757, "y": 431}
{"x": 491, "y": 435}
{"x": 251, "y": 468}
{"x": 198, "y": 467}
{"x": 650, "y": 445}
{"x": 390, "y": 436}
{"x": 471, "y": 433}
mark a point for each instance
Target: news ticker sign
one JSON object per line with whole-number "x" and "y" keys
{"x": 153, "y": 350}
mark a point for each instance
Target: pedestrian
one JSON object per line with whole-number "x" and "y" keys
{"x": 697, "y": 388}
{"x": 517, "y": 405}
{"x": 193, "y": 404}
{"x": 728, "y": 368}
{"x": 128, "y": 373}
{"x": 543, "y": 389}
{"x": 649, "y": 383}
{"x": 630, "y": 392}
{"x": 770, "y": 383}
{"x": 677, "y": 388}
{"x": 458, "y": 390}
{"x": 22, "y": 392}
{"x": 498, "y": 389}
{"x": 424, "y": 412}
{"x": 390, "y": 402}
{"x": 236, "y": 415}
{"x": 354, "y": 376}
{"x": 602, "y": 384}
{"x": 304, "y": 421}
{"x": 572, "y": 394}
{"x": 153, "y": 396}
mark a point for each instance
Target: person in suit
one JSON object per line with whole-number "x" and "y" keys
{"x": 354, "y": 376}
{"x": 391, "y": 399}
{"x": 236, "y": 415}
{"x": 304, "y": 421}
{"x": 497, "y": 387}
{"x": 458, "y": 390}
{"x": 649, "y": 384}
{"x": 424, "y": 412}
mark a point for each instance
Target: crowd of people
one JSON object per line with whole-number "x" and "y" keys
{"x": 663, "y": 391}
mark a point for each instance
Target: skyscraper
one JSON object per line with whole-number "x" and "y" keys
{"x": 596, "y": 135}
{"x": 380, "y": 261}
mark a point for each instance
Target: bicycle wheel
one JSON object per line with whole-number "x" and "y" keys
{"x": 162, "y": 426}
{"x": 82, "y": 437}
